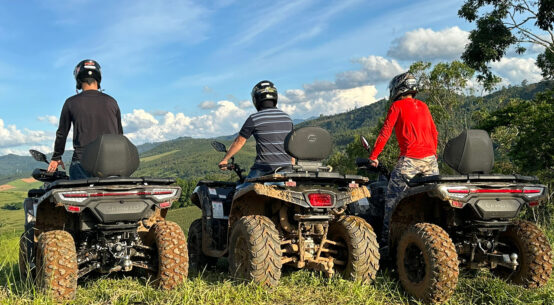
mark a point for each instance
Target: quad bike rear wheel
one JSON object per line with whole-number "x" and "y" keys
{"x": 357, "y": 248}
{"x": 255, "y": 251}
{"x": 173, "y": 263}
{"x": 197, "y": 259}
{"x": 427, "y": 263}
{"x": 56, "y": 263}
{"x": 534, "y": 255}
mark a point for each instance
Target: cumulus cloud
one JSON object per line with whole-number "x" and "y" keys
{"x": 137, "y": 120}
{"x": 224, "y": 119}
{"x": 303, "y": 103}
{"x": 11, "y": 136}
{"x": 245, "y": 104}
{"x": 426, "y": 44}
{"x": 50, "y": 119}
{"x": 374, "y": 69}
{"x": 515, "y": 70}
{"x": 207, "y": 105}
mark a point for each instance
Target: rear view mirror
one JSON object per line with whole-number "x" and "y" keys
{"x": 37, "y": 155}
{"x": 365, "y": 144}
{"x": 219, "y": 146}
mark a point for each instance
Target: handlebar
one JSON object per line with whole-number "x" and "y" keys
{"x": 365, "y": 163}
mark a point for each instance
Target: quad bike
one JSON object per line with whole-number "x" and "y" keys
{"x": 442, "y": 223}
{"x": 292, "y": 217}
{"x": 108, "y": 223}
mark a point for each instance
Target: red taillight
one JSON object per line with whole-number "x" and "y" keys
{"x": 320, "y": 200}
{"x": 290, "y": 183}
{"x": 73, "y": 208}
{"x": 86, "y": 195}
{"x": 489, "y": 191}
{"x": 164, "y": 205}
{"x": 458, "y": 191}
{"x": 456, "y": 204}
{"x": 533, "y": 203}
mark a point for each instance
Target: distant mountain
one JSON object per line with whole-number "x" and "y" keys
{"x": 188, "y": 157}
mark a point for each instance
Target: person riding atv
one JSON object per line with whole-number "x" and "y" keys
{"x": 442, "y": 223}
{"x": 295, "y": 218}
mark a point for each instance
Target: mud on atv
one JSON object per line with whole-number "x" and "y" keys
{"x": 443, "y": 223}
{"x": 291, "y": 217}
{"x": 105, "y": 224}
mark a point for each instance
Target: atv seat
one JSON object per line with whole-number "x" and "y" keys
{"x": 470, "y": 153}
{"x": 309, "y": 145}
{"x": 110, "y": 155}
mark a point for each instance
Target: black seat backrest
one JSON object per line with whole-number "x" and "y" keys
{"x": 470, "y": 153}
{"x": 110, "y": 155}
{"x": 309, "y": 145}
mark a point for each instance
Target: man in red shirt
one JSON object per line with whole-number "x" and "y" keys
{"x": 417, "y": 138}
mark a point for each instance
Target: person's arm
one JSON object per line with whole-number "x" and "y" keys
{"x": 235, "y": 147}
{"x": 61, "y": 136}
{"x": 244, "y": 133}
{"x": 384, "y": 135}
{"x": 119, "y": 126}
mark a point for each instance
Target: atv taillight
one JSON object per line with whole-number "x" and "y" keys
{"x": 457, "y": 191}
{"x": 532, "y": 192}
{"x": 533, "y": 203}
{"x": 165, "y": 205}
{"x": 77, "y": 196}
{"x": 74, "y": 209}
{"x": 320, "y": 200}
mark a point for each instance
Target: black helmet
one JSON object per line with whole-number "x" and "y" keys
{"x": 87, "y": 68}
{"x": 263, "y": 91}
{"x": 402, "y": 84}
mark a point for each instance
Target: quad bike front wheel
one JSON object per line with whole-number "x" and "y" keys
{"x": 427, "y": 263}
{"x": 173, "y": 263}
{"x": 56, "y": 263}
{"x": 197, "y": 259}
{"x": 357, "y": 250}
{"x": 255, "y": 251}
{"x": 534, "y": 255}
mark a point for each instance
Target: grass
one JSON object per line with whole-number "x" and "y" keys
{"x": 23, "y": 186}
{"x": 217, "y": 287}
{"x": 152, "y": 158}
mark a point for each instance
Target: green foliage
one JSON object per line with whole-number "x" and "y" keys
{"x": 187, "y": 187}
{"x": 13, "y": 206}
{"x": 504, "y": 23}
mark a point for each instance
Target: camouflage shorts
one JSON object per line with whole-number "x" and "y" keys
{"x": 406, "y": 169}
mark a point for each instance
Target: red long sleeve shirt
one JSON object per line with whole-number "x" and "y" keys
{"x": 414, "y": 127}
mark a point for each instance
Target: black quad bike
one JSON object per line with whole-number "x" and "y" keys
{"x": 293, "y": 217}
{"x": 443, "y": 223}
{"x": 104, "y": 224}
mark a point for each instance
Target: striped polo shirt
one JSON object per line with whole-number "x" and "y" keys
{"x": 269, "y": 126}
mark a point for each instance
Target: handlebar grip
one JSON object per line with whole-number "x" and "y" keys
{"x": 362, "y": 162}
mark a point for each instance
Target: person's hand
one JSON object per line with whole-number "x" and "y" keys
{"x": 53, "y": 166}
{"x": 374, "y": 163}
{"x": 223, "y": 165}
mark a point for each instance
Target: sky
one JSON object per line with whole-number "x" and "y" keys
{"x": 186, "y": 68}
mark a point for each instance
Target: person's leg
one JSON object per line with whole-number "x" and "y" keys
{"x": 429, "y": 166}
{"x": 77, "y": 172}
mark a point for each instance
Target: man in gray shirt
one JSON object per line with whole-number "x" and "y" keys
{"x": 92, "y": 114}
{"x": 269, "y": 126}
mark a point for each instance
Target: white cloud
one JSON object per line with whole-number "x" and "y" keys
{"x": 50, "y": 119}
{"x": 426, "y": 44}
{"x": 137, "y": 120}
{"x": 246, "y": 104}
{"x": 207, "y": 105}
{"x": 224, "y": 119}
{"x": 11, "y": 136}
{"x": 515, "y": 70}
{"x": 301, "y": 103}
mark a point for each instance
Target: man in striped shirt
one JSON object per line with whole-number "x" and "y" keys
{"x": 269, "y": 126}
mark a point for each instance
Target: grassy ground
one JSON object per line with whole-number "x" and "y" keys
{"x": 152, "y": 158}
{"x": 217, "y": 287}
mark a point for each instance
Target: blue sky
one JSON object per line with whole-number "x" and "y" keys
{"x": 186, "y": 68}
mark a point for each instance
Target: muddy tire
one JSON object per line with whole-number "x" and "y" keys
{"x": 534, "y": 255}
{"x": 255, "y": 251}
{"x": 173, "y": 261}
{"x": 358, "y": 250}
{"x": 197, "y": 259}
{"x": 56, "y": 261}
{"x": 427, "y": 263}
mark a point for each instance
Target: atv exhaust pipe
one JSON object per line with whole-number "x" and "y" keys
{"x": 284, "y": 220}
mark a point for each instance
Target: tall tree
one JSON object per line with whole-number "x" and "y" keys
{"x": 505, "y": 23}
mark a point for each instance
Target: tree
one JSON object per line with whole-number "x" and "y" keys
{"x": 506, "y": 23}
